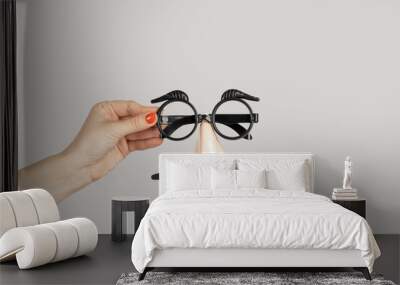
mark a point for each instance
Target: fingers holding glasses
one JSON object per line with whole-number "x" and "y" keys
{"x": 144, "y": 144}
{"x": 124, "y": 108}
{"x": 153, "y": 132}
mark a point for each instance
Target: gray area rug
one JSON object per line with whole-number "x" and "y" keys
{"x": 273, "y": 278}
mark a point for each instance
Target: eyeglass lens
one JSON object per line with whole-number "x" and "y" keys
{"x": 229, "y": 116}
{"x": 177, "y": 120}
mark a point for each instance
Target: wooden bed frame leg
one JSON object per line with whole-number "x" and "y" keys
{"x": 142, "y": 275}
{"x": 364, "y": 271}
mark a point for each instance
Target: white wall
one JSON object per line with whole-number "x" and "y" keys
{"x": 327, "y": 72}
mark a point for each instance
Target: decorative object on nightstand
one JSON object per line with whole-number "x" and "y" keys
{"x": 346, "y": 192}
{"x": 348, "y": 165}
{"x": 358, "y": 206}
{"x": 127, "y": 212}
{"x": 347, "y": 196}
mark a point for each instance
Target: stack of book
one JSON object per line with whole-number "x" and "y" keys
{"x": 344, "y": 194}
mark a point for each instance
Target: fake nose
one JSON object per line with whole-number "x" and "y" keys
{"x": 207, "y": 141}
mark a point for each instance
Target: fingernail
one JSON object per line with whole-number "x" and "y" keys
{"x": 151, "y": 118}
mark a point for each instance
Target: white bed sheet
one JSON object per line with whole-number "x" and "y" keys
{"x": 251, "y": 218}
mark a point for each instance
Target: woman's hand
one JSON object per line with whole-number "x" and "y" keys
{"x": 111, "y": 131}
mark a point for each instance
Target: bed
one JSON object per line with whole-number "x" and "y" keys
{"x": 247, "y": 211}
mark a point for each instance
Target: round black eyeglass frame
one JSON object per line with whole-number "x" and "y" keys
{"x": 160, "y": 120}
{"x": 229, "y": 120}
{"x": 253, "y": 118}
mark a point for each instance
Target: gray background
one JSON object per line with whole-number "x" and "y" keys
{"x": 327, "y": 72}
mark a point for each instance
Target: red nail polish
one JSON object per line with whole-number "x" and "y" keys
{"x": 151, "y": 118}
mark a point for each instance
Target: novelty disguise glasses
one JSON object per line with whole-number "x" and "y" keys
{"x": 232, "y": 118}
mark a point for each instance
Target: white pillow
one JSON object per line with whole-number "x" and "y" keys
{"x": 251, "y": 178}
{"x": 181, "y": 177}
{"x": 282, "y": 174}
{"x": 287, "y": 179}
{"x": 223, "y": 179}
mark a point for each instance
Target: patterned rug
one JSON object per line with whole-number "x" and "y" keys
{"x": 269, "y": 278}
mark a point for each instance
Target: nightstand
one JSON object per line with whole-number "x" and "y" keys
{"x": 358, "y": 206}
{"x": 121, "y": 205}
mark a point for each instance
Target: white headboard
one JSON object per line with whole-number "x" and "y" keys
{"x": 208, "y": 158}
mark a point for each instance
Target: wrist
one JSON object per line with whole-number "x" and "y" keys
{"x": 78, "y": 165}
{"x": 59, "y": 174}
{"x": 76, "y": 173}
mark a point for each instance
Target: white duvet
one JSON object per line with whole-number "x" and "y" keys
{"x": 250, "y": 219}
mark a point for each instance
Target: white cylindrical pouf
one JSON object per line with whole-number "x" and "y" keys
{"x": 67, "y": 239}
{"x": 34, "y": 246}
{"x": 40, "y": 244}
{"x": 23, "y": 208}
{"x": 87, "y": 234}
{"x": 45, "y": 205}
{"x": 31, "y": 233}
{"x": 7, "y": 218}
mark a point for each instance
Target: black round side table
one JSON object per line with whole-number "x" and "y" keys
{"x": 121, "y": 204}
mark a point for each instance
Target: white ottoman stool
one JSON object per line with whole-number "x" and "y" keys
{"x": 31, "y": 232}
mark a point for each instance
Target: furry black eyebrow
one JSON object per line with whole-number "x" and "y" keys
{"x": 177, "y": 95}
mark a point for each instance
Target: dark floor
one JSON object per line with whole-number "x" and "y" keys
{"x": 110, "y": 260}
